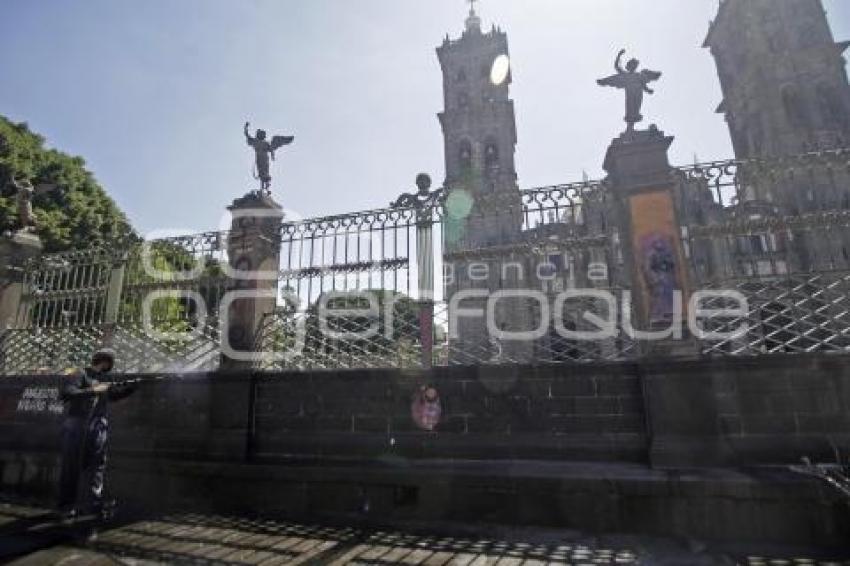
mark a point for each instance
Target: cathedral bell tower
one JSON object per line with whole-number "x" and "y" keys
{"x": 483, "y": 206}
{"x": 785, "y": 92}
{"x": 783, "y": 77}
{"x": 479, "y": 130}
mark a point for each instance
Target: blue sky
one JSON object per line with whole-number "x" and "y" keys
{"x": 153, "y": 94}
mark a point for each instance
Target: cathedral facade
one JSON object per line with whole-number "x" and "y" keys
{"x": 785, "y": 93}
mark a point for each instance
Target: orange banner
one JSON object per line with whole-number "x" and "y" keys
{"x": 658, "y": 254}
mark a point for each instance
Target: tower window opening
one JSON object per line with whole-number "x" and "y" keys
{"x": 491, "y": 154}
{"x": 465, "y": 154}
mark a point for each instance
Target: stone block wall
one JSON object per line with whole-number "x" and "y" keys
{"x": 487, "y": 413}
{"x": 774, "y": 409}
{"x": 669, "y": 414}
{"x": 200, "y": 417}
{"x": 581, "y": 447}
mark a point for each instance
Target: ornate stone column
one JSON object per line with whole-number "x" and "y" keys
{"x": 643, "y": 184}
{"x": 253, "y": 261}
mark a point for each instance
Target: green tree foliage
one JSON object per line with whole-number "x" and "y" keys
{"x": 79, "y": 214}
{"x": 165, "y": 260}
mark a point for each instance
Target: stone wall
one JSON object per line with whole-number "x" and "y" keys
{"x": 555, "y": 445}
{"x": 714, "y": 412}
{"x": 585, "y": 413}
{"x": 769, "y": 410}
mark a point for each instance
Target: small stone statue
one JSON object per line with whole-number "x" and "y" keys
{"x": 635, "y": 83}
{"x": 25, "y": 192}
{"x": 419, "y": 199}
{"x": 26, "y": 216}
{"x": 264, "y": 150}
{"x": 422, "y": 201}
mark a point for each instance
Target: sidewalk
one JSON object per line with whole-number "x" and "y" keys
{"x": 210, "y": 539}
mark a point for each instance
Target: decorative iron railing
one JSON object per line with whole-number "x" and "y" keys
{"x": 155, "y": 302}
{"x": 735, "y": 181}
{"x": 791, "y": 313}
{"x": 767, "y": 217}
{"x": 366, "y": 250}
{"x": 376, "y": 288}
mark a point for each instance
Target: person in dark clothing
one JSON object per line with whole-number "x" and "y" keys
{"x": 85, "y": 432}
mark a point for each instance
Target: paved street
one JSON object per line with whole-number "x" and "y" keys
{"x": 29, "y": 540}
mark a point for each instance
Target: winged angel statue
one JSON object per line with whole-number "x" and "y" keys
{"x": 265, "y": 150}
{"x": 635, "y": 83}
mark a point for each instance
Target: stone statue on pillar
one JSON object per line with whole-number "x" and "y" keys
{"x": 24, "y": 193}
{"x": 264, "y": 153}
{"x": 26, "y": 216}
{"x": 16, "y": 249}
{"x": 635, "y": 83}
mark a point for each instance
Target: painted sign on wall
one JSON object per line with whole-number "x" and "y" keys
{"x": 40, "y": 400}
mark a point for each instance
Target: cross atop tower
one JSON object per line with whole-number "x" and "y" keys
{"x": 473, "y": 21}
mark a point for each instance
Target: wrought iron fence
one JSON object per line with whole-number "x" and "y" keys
{"x": 155, "y": 302}
{"x": 733, "y": 182}
{"x": 168, "y": 316}
{"x": 376, "y": 288}
{"x": 777, "y": 232}
{"x": 404, "y": 263}
{"x": 766, "y": 217}
{"x": 791, "y": 313}
{"x": 745, "y": 228}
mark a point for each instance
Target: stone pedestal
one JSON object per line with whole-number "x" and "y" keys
{"x": 15, "y": 251}
{"x": 643, "y": 184}
{"x": 254, "y": 262}
{"x": 639, "y": 160}
{"x": 656, "y": 266}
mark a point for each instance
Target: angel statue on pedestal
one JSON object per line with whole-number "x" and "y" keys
{"x": 25, "y": 192}
{"x": 635, "y": 83}
{"x": 265, "y": 150}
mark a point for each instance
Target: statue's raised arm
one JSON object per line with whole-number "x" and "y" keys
{"x": 618, "y": 62}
